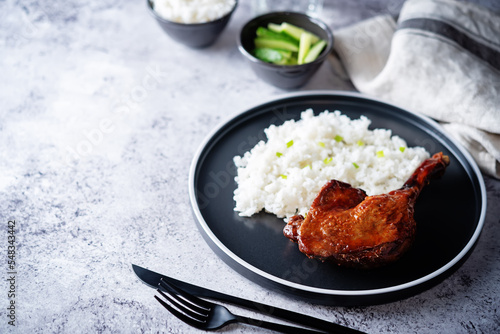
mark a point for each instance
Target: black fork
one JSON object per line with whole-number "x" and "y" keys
{"x": 209, "y": 316}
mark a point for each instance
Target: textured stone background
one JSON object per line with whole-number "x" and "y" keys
{"x": 100, "y": 116}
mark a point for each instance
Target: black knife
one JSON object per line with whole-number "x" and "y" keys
{"x": 152, "y": 279}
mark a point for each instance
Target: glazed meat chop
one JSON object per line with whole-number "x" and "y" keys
{"x": 352, "y": 229}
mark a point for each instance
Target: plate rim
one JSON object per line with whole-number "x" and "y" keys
{"x": 322, "y": 291}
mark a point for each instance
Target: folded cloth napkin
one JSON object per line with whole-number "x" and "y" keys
{"x": 442, "y": 59}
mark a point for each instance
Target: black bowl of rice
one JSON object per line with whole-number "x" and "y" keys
{"x": 194, "y": 23}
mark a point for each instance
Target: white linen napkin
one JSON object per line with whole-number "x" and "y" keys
{"x": 442, "y": 59}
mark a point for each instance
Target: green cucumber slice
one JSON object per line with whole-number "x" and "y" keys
{"x": 280, "y": 57}
{"x": 266, "y": 33}
{"x": 315, "y": 51}
{"x": 304, "y": 46}
{"x": 268, "y": 55}
{"x": 296, "y": 32}
{"x": 274, "y": 27}
{"x": 291, "y": 30}
{"x": 286, "y": 54}
{"x": 262, "y": 42}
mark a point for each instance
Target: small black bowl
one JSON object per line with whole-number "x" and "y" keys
{"x": 284, "y": 76}
{"x": 194, "y": 35}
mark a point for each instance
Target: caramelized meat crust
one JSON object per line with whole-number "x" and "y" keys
{"x": 348, "y": 227}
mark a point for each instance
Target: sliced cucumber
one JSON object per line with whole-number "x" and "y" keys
{"x": 286, "y": 54}
{"x": 268, "y": 55}
{"x": 274, "y": 27}
{"x": 292, "y": 30}
{"x": 296, "y": 32}
{"x": 286, "y": 44}
{"x": 315, "y": 51}
{"x": 304, "y": 46}
{"x": 267, "y": 33}
{"x": 280, "y": 57}
{"x": 262, "y": 42}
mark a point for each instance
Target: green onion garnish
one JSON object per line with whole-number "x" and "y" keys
{"x": 338, "y": 138}
{"x": 360, "y": 143}
{"x": 402, "y": 148}
{"x": 355, "y": 165}
{"x": 290, "y": 143}
{"x": 327, "y": 160}
{"x": 380, "y": 154}
{"x": 283, "y": 176}
{"x": 321, "y": 144}
{"x": 279, "y": 154}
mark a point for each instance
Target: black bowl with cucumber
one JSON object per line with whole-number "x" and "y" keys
{"x": 285, "y": 49}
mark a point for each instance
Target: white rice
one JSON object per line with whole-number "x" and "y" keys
{"x": 193, "y": 11}
{"x": 327, "y": 146}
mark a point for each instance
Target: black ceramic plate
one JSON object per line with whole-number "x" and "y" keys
{"x": 449, "y": 212}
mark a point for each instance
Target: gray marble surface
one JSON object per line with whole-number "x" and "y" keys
{"x": 100, "y": 116}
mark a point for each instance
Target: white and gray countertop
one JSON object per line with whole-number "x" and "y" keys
{"x": 101, "y": 114}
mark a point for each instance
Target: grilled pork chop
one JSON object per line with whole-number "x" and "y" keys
{"x": 352, "y": 229}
